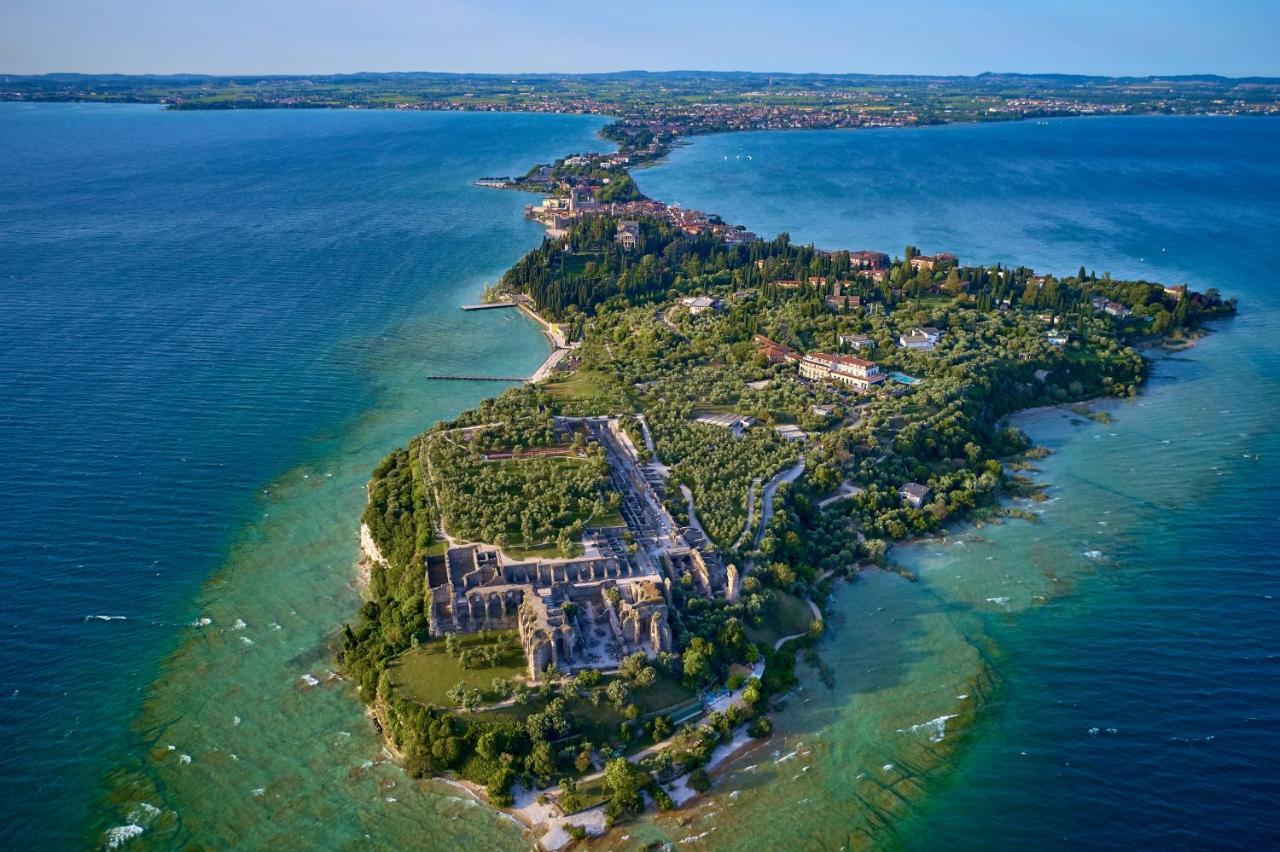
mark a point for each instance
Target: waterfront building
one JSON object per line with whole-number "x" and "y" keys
{"x": 914, "y": 494}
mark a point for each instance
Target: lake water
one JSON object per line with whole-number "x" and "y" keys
{"x": 216, "y": 323}
{"x": 1109, "y": 676}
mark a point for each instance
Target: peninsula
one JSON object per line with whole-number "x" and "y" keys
{"x": 587, "y": 591}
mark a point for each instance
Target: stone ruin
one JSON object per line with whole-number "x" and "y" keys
{"x": 578, "y": 613}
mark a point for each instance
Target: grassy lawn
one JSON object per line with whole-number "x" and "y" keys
{"x": 574, "y": 264}
{"x": 592, "y": 794}
{"x": 601, "y": 723}
{"x": 665, "y": 692}
{"x": 589, "y": 387}
{"x": 706, "y": 408}
{"x": 790, "y": 615}
{"x": 545, "y": 550}
{"x": 427, "y": 673}
{"x": 608, "y": 519}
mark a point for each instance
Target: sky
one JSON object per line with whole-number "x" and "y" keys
{"x": 1114, "y": 37}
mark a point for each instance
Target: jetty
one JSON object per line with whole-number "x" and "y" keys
{"x": 478, "y": 378}
{"x": 506, "y": 303}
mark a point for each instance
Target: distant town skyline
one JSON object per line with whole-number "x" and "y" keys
{"x": 1118, "y": 37}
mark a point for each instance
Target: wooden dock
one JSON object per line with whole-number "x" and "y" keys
{"x": 478, "y": 378}
{"x": 489, "y": 305}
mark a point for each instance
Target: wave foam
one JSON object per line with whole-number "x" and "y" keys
{"x": 935, "y": 728}
{"x": 122, "y": 833}
{"x": 143, "y": 813}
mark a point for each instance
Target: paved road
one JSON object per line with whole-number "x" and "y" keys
{"x": 789, "y": 475}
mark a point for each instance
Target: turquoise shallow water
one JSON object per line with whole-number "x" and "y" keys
{"x": 1127, "y": 646}
{"x": 214, "y": 325}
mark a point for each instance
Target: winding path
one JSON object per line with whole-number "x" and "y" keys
{"x": 693, "y": 517}
{"x": 751, "y": 512}
{"x": 665, "y": 317}
{"x": 789, "y": 475}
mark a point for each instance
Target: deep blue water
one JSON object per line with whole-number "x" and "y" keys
{"x": 1136, "y": 628}
{"x": 192, "y": 304}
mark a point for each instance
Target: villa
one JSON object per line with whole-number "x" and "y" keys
{"x": 789, "y": 432}
{"x": 700, "y": 304}
{"x": 868, "y": 259}
{"x": 853, "y": 372}
{"x": 914, "y": 494}
{"x": 776, "y": 353}
{"x": 843, "y": 303}
{"x": 933, "y": 261}
{"x": 920, "y": 338}
{"x": 628, "y": 234}
{"x": 856, "y": 341}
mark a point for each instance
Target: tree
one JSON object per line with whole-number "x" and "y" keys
{"x": 696, "y": 662}
{"x": 953, "y": 284}
{"x": 647, "y": 677}
{"x": 622, "y": 776}
{"x": 662, "y": 728}
{"x": 541, "y": 762}
{"x": 488, "y": 746}
{"x": 618, "y": 692}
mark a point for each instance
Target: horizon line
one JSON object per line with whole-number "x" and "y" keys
{"x": 625, "y": 71}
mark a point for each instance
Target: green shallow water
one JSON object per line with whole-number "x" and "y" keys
{"x": 233, "y": 746}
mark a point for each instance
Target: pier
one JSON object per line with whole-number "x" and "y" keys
{"x": 478, "y": 378}
{"x": 489, "y": 305}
